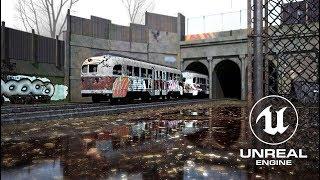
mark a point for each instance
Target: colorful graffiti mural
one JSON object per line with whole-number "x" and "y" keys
{"x": 25, "y": 89}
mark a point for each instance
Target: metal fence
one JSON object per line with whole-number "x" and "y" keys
{"x": 289, "y": 40}
{"x": 25, "y": 46}
{"x": 283, "y": 52}
{"x": 217, "y": 22}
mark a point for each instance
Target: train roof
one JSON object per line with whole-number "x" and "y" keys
{"x": 195, "y": 73}
{"x": 100, "y": 58}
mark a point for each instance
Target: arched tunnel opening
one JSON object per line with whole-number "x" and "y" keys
{"x": 198, "y": 67}
{"x": 227, "y": 80}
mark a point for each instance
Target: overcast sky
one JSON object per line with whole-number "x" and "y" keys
{"x": 114, "y": 10}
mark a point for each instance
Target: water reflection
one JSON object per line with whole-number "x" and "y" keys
{"x": 176, "y": 146}
{"x": 194, "y": 170}
{"x": 44, "y": 169}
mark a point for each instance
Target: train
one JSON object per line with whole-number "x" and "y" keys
{"x": 195, "y": 84}
{"x": 114, "y": 78}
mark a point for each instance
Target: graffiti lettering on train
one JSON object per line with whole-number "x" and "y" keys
{"x": 26, "y": 89}
{"x": 120, "y": 87}
{"x": 97, "y": 83}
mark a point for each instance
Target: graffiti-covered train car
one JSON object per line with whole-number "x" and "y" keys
{"x": 114, "y": 77}
{"x": 195, "y": 84}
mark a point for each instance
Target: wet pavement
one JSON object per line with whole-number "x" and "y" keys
{"x": 191, "y": 142}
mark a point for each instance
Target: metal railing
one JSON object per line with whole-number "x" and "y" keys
{"x": 217, "y": 22}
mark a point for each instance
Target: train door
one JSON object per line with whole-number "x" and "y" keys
{"x": 152, "y": 81}
{"x": 157, "y": 83}
{"x": 149, "y": 80}
{"x": 144, "y": 77}
{"x": 163, "y": 83}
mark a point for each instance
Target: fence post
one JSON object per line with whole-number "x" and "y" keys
{"x": 258, "y": 52}
{"x": 258, "y": 68}
{"x": 34, "y": 47}
{"x": 204, "y": 24}
{"x": 221, "y": 21}
{"x": 240, "y": 19}
{"x": 57, "y": 53}
{"x": 3, "y": 42}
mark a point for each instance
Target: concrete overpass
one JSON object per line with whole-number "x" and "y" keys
{"x": 223, "y": 58}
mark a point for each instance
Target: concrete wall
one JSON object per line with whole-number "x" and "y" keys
{"x": 227, "y": 43}
{"x": 159, "y": 45}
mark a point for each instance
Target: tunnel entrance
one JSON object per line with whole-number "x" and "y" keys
{"x": 227, "y": 80}
{"x": 198, "y": 67}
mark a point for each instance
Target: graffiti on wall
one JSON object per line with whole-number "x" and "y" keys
{"x": 193, "y": 37}
{"x": 26, "y": 89}
{"x": 170, "y": 59}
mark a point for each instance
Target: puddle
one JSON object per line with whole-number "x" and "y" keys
{"x": 186, "y": 144}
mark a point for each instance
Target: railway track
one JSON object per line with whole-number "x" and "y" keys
{"x": 31, "y": 113}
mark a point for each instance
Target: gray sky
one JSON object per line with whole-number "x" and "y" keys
{"x": 114, "y": 10}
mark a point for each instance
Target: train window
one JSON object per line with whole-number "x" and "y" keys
{"x": 85, "y": 69}
{"x": 149, "y": 73}
{"x": 93, "y": 68}
{"x": 143, "y": 72}
{"x": 178, "y": 76}
{"x": 164, "y": 75}
{"x": 171, "y": 76}
{"x": 117, "y": 69}
{"x": 161, "y": 74}
{"x": 136, "y": 71}
{"x": 129, "y": 70}
{"x": 167, "y": 76}
{"x": 194, "y": 80}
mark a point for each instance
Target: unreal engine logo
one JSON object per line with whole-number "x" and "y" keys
{"x": 273, "y": 120}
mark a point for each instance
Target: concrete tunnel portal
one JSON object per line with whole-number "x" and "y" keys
{"x": 226, "y": 78}
{"x": 198, "y": 67}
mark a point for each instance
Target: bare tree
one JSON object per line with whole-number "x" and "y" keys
{"x": 137, "y": 8}
{"x": 45, "y": 16}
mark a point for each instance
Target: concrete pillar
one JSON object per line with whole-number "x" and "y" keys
{"x": 243, "y": 77}
{"x": 210, "y": 78}
{"x": 181, "y": 27}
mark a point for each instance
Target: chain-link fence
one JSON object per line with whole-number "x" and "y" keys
{"x": 217, "y": 22}
{"x": 284, "y": 55}
{"x": 290, "y": 41}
